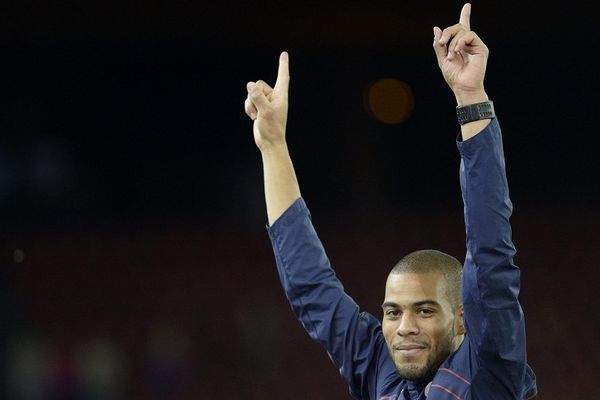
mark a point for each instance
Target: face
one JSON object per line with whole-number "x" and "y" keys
{"x": 419, "y": 324}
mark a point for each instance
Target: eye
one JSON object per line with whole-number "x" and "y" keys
{"x": 425, "y": 312}
{"x": 392, "y": 314}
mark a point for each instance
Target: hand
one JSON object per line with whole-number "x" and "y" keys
{"x": 267, "y": 107}
{"x": 462, "y": 57}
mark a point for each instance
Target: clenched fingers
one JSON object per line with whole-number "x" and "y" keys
{"x": 249, "y": 107}
{"x": 467, "y": 43}
{"x": 449, "y": 33}
{"x": 445, "y": 41}
{"x": 259, "y": 93}
{"x": 458, "y": 37}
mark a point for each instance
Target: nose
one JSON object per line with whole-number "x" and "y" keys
{"x": 408, "y": 325}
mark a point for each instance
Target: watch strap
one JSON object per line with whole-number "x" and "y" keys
{"x": 475, "y": 112}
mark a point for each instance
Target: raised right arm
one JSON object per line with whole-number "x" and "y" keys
{"x": 267, "y": 107}
{"x": 317, "y": 297}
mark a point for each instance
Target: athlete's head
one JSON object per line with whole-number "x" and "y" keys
{"x": 422, "y": 312}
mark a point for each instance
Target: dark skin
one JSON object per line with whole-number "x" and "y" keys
{"x": 420, "y": 324}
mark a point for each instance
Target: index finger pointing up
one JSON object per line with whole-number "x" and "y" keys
{"x": 283, "y": 74}
{"x": 465, "y": 16}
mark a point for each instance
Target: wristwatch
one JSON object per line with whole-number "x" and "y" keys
{"x": 475, "y": 112}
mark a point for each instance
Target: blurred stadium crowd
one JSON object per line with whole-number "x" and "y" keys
{"x": 182, "y": 312}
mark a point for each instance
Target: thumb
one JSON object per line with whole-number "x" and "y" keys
{"x": 441, "y": 50}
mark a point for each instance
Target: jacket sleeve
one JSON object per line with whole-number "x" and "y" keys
{"x": 493, "y": 316}
{"x": 351, "y": 338}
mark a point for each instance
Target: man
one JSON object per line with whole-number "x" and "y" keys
{"x": 431, "y": 343}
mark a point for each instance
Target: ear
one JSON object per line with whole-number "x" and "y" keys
{"x": 460, "y": 320}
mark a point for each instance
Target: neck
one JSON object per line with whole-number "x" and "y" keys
{"x": 457, "y": 341}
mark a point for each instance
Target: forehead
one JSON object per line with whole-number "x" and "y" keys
{"x": 406, "y": 288}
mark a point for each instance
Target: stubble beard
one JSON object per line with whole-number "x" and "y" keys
{"x": 414, "y": 371}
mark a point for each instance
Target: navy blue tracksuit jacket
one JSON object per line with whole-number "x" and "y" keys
{"x": 491, "y": 362}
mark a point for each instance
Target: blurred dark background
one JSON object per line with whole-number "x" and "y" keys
{"x": 134, "y": 260}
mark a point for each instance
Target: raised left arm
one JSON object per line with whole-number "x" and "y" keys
{"x": 462, "y": 57}
{"x": 491, "y": 281}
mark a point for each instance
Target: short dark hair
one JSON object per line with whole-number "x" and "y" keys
{"x": 428, "y": 260}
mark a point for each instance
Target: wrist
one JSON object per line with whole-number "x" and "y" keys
{"x": 271, "y": 149}
{"x": 466, "y": 98}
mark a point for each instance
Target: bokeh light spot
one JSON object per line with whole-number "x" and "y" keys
{"x": 390, "y": 101}
{"x": 18, "y": 256}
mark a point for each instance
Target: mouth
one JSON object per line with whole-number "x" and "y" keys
{"x": 410, "y": 350}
